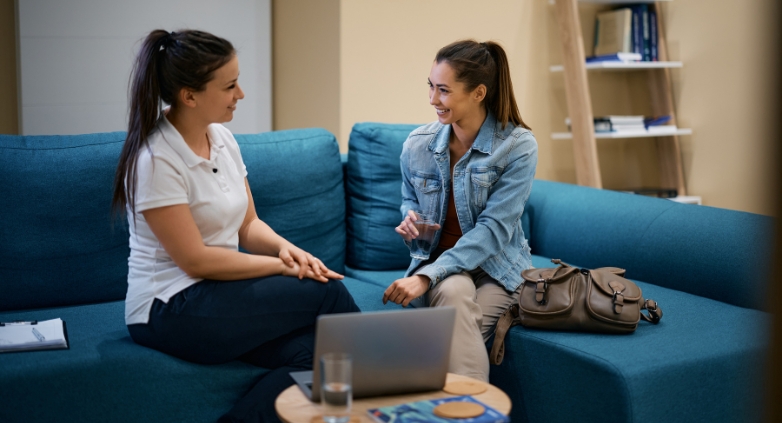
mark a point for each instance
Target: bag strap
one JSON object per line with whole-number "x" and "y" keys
{"x": 505, "y": 322}
{"x": 655, "y": 312}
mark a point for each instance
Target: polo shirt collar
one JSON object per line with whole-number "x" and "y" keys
{"x": 178, "y": 144}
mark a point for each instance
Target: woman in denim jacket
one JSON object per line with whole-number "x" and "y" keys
{"x": 469, "y": 174}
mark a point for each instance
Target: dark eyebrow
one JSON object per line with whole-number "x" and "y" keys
{"x": 437, "y": 85}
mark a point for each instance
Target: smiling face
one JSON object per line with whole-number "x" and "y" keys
{"x": 217, "y": 101}
{"x": 450, "y": 97}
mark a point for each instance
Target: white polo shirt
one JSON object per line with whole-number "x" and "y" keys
{"x": 170, "y": 173}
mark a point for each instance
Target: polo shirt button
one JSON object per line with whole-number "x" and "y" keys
{"x": 214, "y": 170}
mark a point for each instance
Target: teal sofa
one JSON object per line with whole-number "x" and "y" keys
{"x": 62, "y": 255}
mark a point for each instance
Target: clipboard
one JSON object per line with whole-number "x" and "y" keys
{"x": 33, "y": 335}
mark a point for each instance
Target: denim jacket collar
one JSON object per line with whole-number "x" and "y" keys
{"x": 483, "y": 142}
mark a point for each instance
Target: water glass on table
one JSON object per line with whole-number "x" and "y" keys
{"x": 336, "y": 387}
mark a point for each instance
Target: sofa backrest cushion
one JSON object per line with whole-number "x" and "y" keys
{"x": 715, "y": 253}
{"x": 58, "y": 244}
{"x": 374, "y": 195}
{"x": 296, "y": 180}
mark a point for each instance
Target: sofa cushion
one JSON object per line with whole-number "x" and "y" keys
{"x": 105, "y": 376}
{"x": 296, "y": 180}
{"x": 374, "y": 195}
{"x": 697, "y": 364}
{"x": 58, "y": 243}
{"x": 701, "y": 250}
{"x": 381, "y": 278}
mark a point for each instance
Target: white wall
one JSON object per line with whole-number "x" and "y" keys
{"x": 75, "y": 58}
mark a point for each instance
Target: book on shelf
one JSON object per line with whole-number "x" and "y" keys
{"x": 616, "y": 57}
{"x": 662, "y": 129}
{"x": 33, "y": 335}
{"x": 613, "y": 32}
{"x": 653, "y": 35}
{"x": 422, "y": 411}
{"x": 628, "y": 29}
{"x": 630, "y": 124}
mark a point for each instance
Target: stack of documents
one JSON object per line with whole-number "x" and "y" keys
{"x": 29, "y": 336}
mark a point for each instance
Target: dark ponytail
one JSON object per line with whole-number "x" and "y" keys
{"x": 166, "y": 63}
{"x": 485, "y": 63}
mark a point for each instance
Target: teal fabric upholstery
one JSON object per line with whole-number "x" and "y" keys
{"x": 106, "y": 377}
{"x": 58, "y": 245}
{"x": 296, "y": 181}
{"x": 381, "y": 278}
{"x": 374, "y": 194}
{"x": 715, "y": 253}
{"x": 61, "y": 257}
{"x": 700, "y": 364}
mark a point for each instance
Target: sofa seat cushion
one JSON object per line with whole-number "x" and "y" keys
{"x": 381, "y": 278}
{"x": 701, "y": 363}
{"x": 105, "y": 376}
{"x": 368, "y": 296}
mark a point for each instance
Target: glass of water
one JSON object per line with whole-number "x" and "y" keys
{"x": 336, "y": 392}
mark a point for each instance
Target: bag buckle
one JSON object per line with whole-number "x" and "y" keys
{"x": 540, "y": 291}
{"x": 655, "y": 313}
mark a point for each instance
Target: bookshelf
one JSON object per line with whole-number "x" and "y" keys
{"x": 579, "y": 105}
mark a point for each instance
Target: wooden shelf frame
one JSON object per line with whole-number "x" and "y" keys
{"x": 579, "y": 102}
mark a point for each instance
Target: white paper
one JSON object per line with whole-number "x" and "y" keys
{"x": 20, "y": 336}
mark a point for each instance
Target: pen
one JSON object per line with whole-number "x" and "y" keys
{"x": 38, "y": 335}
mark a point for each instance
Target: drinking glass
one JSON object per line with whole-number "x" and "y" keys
{"x": 336, "y": 387}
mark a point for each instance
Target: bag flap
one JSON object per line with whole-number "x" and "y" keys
{"x": 615, "y": 270}
{"x": 543, "y": 296}
{"x": 609, "y": 283}
{"x": 559, "y": 274}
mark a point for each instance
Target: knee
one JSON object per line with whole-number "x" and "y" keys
{"x": 339, "y": 298}
{"x": 453, "y": 290}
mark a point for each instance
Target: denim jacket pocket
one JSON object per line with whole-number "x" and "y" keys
{"x": 482, "y": 180}
{"x": 428, "y": 189}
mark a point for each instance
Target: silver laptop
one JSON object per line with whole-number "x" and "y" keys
{"x": 393, "y": 352}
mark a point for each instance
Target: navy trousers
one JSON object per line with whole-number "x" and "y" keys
{"x": 268, "y": 322}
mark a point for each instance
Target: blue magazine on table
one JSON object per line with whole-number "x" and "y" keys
{"x": 422, "y": 411}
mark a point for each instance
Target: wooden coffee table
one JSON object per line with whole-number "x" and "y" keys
{"x": 293, "y": 407}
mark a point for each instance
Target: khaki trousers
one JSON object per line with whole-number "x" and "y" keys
{"x": 479, "y": 301}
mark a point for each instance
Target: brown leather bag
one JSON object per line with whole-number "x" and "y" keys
{"x": 572, "y": 299}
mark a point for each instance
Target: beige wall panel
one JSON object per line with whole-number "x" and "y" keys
{"x": 305, "y": 64}
{"x": 388, "y": 48}
{"x": 9, "y": 116}
{"x": 725, "y": 92}
{"x": 722, "y": 92}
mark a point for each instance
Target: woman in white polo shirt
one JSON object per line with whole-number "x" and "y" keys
{"x": 182, "y": 182}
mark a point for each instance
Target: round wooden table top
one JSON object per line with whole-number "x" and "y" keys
{"x": 293, "y": 407}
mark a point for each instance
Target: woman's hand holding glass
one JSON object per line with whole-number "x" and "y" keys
{"x": 302, "y": 264}
{"x": 408, "y": 230}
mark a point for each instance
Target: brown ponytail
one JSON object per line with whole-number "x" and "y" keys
{"x": 485, "y": 63}
{"x": 166, "y": 63}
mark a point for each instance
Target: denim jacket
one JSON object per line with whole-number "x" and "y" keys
{"x": 492, "y": 183}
